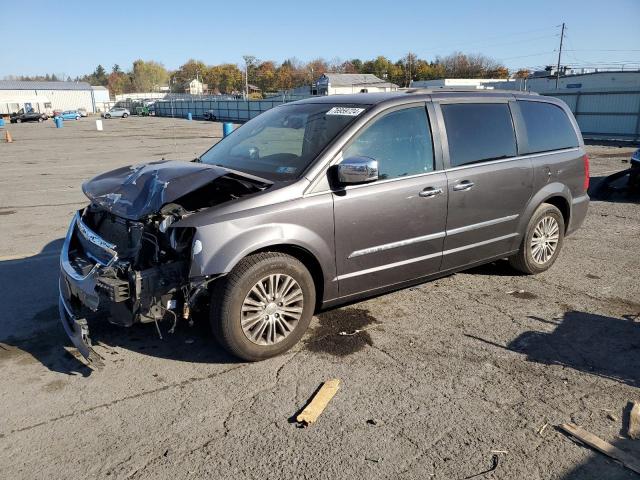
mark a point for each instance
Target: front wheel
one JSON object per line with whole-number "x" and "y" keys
{"x": 19, "y": 120}
{"x": 124, "y": 115}
{"x": 542, "y": 242}
{"x": 107, "y": 116}
{"x": 263, "y": 306}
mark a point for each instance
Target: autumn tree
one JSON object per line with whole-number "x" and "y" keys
{"x": 265, "y": 76}
{"x": 187, "y": 72}
{"x": 148, "y": 76}
{"x": 118, "y": 83}
{"x": 317, "y": 68}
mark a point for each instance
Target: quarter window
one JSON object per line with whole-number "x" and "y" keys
{"x": 400, "y": 141}
{"x": 547, "y": 126}
{"x": 479, "y": 132}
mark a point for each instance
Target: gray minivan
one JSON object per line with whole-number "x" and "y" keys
{"x": 320, "y": 202}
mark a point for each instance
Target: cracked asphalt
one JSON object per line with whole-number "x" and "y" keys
{"x": 439, "y": 379}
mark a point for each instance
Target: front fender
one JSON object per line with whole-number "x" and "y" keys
{"x": 224, "y": 245}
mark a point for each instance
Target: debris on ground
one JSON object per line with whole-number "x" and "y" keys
{"x": 495, "y": 460}
{"x": 349, "y": 334}
{"x": 612, "y": 417}
{"x": 522, "y": 294}
{"x": 634, "y": 421}
{"x": 542, "y": 429}
{"x": 319, "y": 402}
{"x": 579, "y": 433}
{"x": 374, "y": 460}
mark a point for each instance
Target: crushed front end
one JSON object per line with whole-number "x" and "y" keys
{"x": 125, "y": 254}
{"x": 133, "y": 271}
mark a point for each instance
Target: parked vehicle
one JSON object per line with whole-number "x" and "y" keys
{"x": 83, "y": 112}
{"x": 117, "y": 112}
{"x": 70, "y": 115}
{"x": 210, "y": 115}
{"x": 22, "y": 116}
{"x": 324, "y": 201}
{"x": 634, "y": 173}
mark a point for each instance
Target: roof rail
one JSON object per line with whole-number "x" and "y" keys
{"x": 453, "y": 89}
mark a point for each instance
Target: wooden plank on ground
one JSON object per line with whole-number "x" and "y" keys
{"x": 319, "y": 402}
{"x": 600, "y": 445}
{"x": 634, "y": 421}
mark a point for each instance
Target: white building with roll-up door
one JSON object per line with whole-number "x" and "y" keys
{"x": 45, "y": 97}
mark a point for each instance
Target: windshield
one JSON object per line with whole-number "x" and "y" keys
{"x": 282, "y": 142}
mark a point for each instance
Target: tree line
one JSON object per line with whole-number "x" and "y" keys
{"x": 269, "y": 76}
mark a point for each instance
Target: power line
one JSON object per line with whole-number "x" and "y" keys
{"x": 605, "y": 50}
{"x": 466, "y": 44}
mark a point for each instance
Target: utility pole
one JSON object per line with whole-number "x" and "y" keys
{"x": 559, "y": 55}
{"x": 248, "y": 61}
{"x": 246, "y": 81}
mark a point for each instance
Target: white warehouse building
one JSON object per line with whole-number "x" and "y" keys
{"x": 45, "y": 97}
{"x": 345, "y": 83}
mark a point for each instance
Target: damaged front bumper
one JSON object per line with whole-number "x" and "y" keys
{"x": 78, "y": 288}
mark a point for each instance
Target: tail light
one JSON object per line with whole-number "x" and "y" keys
{"x": 585, "y": 158}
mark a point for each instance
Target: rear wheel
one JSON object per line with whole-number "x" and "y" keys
{"x": 40, "y": 119}
{"x": 542, "y": 242}
{"x": 18, "y": 120}
{"x": 125, "y": 115}
{"x": 263, "y": 307}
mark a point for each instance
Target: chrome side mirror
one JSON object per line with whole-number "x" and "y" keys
{"x": 355, "y": 170}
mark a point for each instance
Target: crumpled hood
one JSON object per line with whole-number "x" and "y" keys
{"x": 136, "y": 191}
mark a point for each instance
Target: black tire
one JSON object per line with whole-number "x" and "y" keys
{"x": 40, "y": 119}
{"x": 229, "y": 295}
{"x": 125, "y": 115}
{"x": 524, "y": 260}
{"x": 634, "y": 177}
{"x": 106, "y": 115}
{"x": 18, "y": 120}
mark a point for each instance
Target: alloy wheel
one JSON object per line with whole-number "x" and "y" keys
{"x": 544, "y": 241}
{"x": 272, "y": 309}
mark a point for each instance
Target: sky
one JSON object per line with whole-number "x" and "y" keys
{"x": 71, "y": 37}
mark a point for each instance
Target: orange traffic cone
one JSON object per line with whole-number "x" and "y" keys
{"x": 7, "y": 136}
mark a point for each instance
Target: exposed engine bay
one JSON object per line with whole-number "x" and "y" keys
{"x": 124, "y": 255}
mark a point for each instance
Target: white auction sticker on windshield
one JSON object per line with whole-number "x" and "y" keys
{"x": 346, "y": 111}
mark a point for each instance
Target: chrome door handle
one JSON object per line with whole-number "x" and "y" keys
{"x": 430, "y": 192}
{"x": 463, "y": 186}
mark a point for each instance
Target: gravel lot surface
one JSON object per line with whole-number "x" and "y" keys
{"x": 444, "y": 376}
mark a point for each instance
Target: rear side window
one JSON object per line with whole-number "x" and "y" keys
{"x": 479, "y": 132}
{"x": 400, "y": 141}
{"x": 547, "y": 126}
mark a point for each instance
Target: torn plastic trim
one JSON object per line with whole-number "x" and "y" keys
{"x": 78, "y": 332}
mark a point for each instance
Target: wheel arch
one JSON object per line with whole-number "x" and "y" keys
{"x": 562, "y": 204}
{"x": 307, "y": 258}
{"x": 556, "y": 194}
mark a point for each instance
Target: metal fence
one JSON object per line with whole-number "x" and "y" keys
{"x": 225, "y": 110}
{"x": 608, "y": 115}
